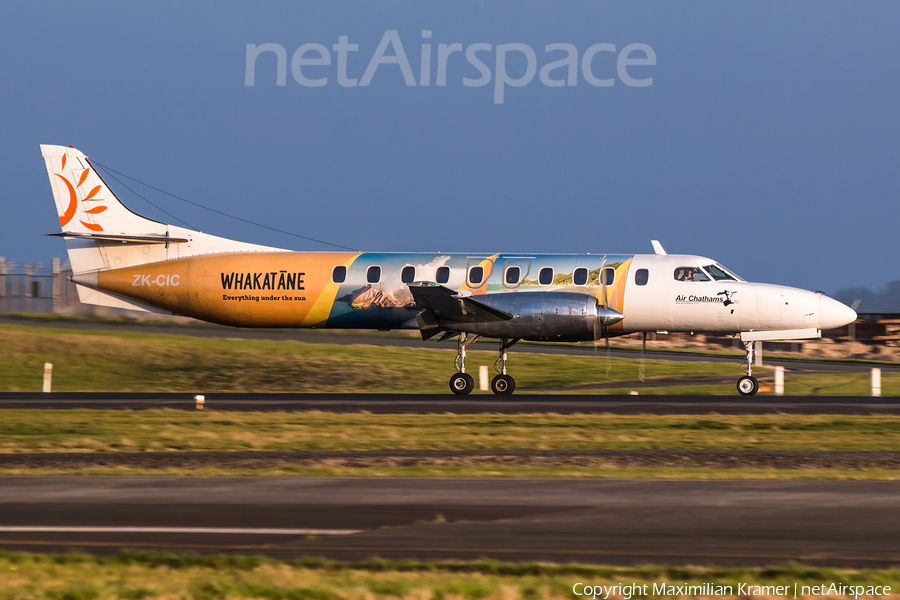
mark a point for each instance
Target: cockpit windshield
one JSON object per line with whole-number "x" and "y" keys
{"x": 720, "y": 273}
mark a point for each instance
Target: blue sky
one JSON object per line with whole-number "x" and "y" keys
{"x": 768, "y": 139}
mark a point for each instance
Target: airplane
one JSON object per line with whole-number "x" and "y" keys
{"x": 121, "y": 259}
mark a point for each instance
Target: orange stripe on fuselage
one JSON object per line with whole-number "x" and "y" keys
{"x": 488, "y": 265}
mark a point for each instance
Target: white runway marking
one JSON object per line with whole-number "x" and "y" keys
{"x": 220, "y": 530}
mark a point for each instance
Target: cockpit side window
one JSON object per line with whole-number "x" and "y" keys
{"x": 718, "y": 273}
{"x": 690, "y": 274}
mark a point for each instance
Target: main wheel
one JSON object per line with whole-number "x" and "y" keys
{"x": 503, "y": 385}
{"x": 747, "y": 385}
{"x": 462, "y": 384}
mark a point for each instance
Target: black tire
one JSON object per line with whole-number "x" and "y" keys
{"x": 462, "y": 384}
{"x": 747, "y": 385}
{"x": 503, "y": 385}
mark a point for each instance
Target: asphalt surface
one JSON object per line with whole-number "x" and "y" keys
{"x": 447, "y": 403}
{"x": 842, "y": 460}
{"x": 852, "y": 524}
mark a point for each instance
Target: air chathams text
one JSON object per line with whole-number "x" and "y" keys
{"x": 559, "y": 65}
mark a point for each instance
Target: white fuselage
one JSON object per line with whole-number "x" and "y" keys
{"x": 667, "y": 303}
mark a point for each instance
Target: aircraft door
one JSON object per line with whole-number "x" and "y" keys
{"x": 646, "y": 306}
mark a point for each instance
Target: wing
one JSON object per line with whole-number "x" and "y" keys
{"x": 442, "y": 307}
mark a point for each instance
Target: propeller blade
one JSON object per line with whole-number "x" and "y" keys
{"x": 643, "y": 349}
{"x": 602, "y": 324}
{"x": 603, "y": 283}
{"x": 608, "y": 358}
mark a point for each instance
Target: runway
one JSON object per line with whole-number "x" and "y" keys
{"x": 853, "y": 524}
{"x": 477, "y": 403}
{"x": 255, "y": 460}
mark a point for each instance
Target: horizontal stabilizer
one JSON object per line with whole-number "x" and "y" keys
{"x": 150, "y": 238}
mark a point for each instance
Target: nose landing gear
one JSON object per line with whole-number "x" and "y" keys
{"x": 748, "y": 385}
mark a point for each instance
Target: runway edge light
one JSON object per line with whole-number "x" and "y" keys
{"x": 48, "y": 377}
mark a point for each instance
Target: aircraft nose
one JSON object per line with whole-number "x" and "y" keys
{"x": 834, "y": 314}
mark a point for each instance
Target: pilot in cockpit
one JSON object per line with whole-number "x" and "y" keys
{"x": 690, "y": 274}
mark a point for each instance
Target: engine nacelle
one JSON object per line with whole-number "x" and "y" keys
{"x": 544, "y": 316}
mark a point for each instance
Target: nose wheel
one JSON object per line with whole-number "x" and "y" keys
{"x": 748, "y": 385}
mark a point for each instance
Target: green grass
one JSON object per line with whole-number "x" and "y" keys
{"x": 185, "y": 324}
{"x": 94, "y": 360}
{"x": 127, "y": 361}
{"x": 27, "y": 430}
{"x": 139, "y": 575}
{"x": 166, "y": 430}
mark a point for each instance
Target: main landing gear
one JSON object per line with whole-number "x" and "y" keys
{"x": 462, "y": 383}
{"x": 502, "y": 384}
{"x": 748, "y": 385}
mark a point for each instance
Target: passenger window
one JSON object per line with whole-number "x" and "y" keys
{"x": 339, "y": 274}
{"x": 408, "y": 274}
{"x": 442, "y": 275}
{"x": 690, "y": 274}
{"x": 580, "y": 276}
{"x": 545, "y": 277}
{"x": 608, "y": 276}
{"x": 512, "y": 275}
{"x": 641, "y": 276}
{"x": 373, "y": 275}
{"x": 476, "y": 275}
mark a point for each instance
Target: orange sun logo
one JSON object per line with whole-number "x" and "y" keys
{"x": 73, "y": 200}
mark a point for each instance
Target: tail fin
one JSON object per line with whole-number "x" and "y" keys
{"x": 101, "y": 233}
{"x": 84, "y": 202}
